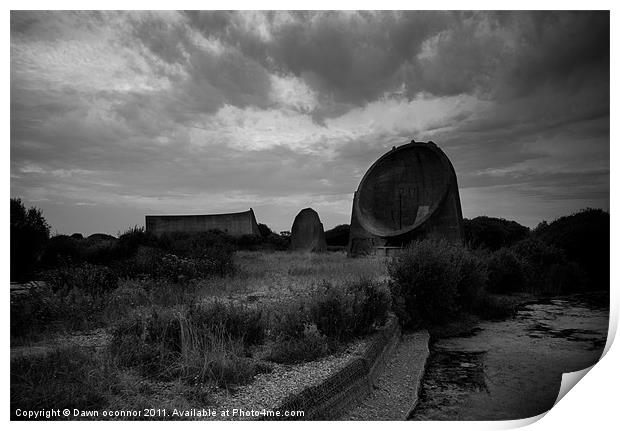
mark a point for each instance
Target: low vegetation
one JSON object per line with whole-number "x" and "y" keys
{"x": 205, "y": 311}
{"x": 436, "y": 282}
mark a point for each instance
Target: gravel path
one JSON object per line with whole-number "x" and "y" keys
{"x": 268, "y": 390}
{"x": 396, "y": 389}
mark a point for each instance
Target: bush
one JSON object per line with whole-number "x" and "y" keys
{"x": 506, "y": 272}
{"x": 149, "y": 262}
{"x": 433, "y": 281}
{"x": 343, "y": 312}
{"x": 211, "y": 355}
{"x": 29, "y": 235}
{"x": 584, "y": 238}
{"x": 125, "y": 299}
{"x": 73, "y": 297}
{"x": 134, "y": 238}
{"x": 61, "y": 249}
{"x": 426, "y": 277}
{"x": 338, "y": 236}
{"x": 94, "y": 280}
{"x": 472, "y": 279}
{"x": 66, "y": 378}
{"x": 35, "y": 311}
{"x": 100, "y": 249}
{"x": 236, "y": 321}
{"x": 493, "y": 233}
{"x": 308, "y": 345}
{"x": 149, "y": 339}
{"x": 287, "y": 322}
{"x": 372, "y": 302}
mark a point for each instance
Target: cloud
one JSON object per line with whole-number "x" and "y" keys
{"x": 135, "y": 112}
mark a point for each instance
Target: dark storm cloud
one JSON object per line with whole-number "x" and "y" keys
{"x": 201, "y": 111}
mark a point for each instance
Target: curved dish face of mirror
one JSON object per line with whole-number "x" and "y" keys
{"x": 409, "y": 193}
{"x": 402, "y": 190}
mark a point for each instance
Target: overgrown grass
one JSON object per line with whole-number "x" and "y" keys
{"x": 198, "y": 344}
{"x": 65, "y": 378}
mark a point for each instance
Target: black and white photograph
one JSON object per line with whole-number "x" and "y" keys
{"x": 306, "y": 215}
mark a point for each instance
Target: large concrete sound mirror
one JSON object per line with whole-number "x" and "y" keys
{"x": 409, "y": 193}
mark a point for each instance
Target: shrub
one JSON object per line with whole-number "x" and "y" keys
{"x": 547, "y": 270}
{"x": 86, "y": 278}
{"x": 343, "y": 312}
{"x": 34, "y": 311}
{"x": 249, "y": 242}
{"x": 338, "y": 236}
{"x": 149, "y": 339}
{"x": 29, "y": 235}
{"x": 472, "y": 279}
{"x": 584, "y": 237}
{"x": 493, "y": 233}
{"x": 212, "y": 355}
{"x": 309, "y": 345}
{"x": 100, "y": 249}
{"x": 426, "y": 277}
{"x": 66, "y": 378}
{"x": 236, "y": 321}
{"x": 372, "y": 302}
{"x": 433, "y": 281}
{"x": 288, "y": 321}
{"x": 331, "y": 309}
{"x": 153, "y": 263}
{"x": 124, "y": 300}
{"x": 194, "y": 244}
{"x": 506, "y": 272}
{"x": 72, "y": 298}
{"x": 61, "y": 249}
{"x": 132, "y": 239}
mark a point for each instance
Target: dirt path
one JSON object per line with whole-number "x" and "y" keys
{"x": 396, "y": 389}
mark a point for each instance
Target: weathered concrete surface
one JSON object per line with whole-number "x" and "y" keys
{"x": 307, "y": 233}
{"x": 235, "y": 224}
{"x": 395, "y": 392}
{"x": 409, "y": 193}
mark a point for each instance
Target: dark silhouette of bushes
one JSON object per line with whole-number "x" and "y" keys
{"x": 95, "y": 280}
{"x": 533, "y": 266}
{"x": 585, "y": 239}
{"x": 493, "y": 233}
{"x": 506, "y": 272}
{"x": 338, "y": 236}
{"x": 29, "y": 235}
{"x": 434, "y": 280}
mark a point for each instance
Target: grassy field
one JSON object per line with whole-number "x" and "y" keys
{"x": 163, "y": 347}
{"x": 279, "y": 275}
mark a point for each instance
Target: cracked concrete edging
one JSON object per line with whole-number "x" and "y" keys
{"x": 353, "y": 382}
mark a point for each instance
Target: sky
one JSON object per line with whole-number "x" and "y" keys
{"x": 115, "y": 115}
